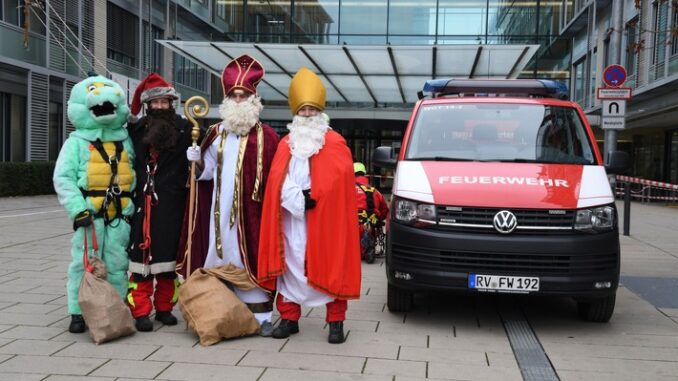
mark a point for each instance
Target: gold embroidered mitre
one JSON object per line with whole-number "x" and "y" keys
{"x": 306, "y": 89}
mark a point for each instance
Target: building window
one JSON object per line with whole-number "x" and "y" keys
{"x": 221, "y": 11}
{"x": 316, "y": 22}
{"x": 579, "y": 5}
{"x": 268, "y": 21}
{"x": 189, "y": 74}
{"x": 578, "y": 85}
{"x": 467, "y": 24}
{"x": 674, "y": 33}
{"x": 230, "y": 15}
{"x": 152, "y": 49}
{"x": 56, "y": 129}
{"x": 660, "y": 25}
{"x": 122, "y": 34}
{"x": 569, "y": 11}
{"x": 12, "y": 12}
{"x": 363, "y": 22}
{"x": 12, "y": 127}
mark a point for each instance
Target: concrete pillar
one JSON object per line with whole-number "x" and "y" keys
{"x": 170, "y": 32}
{"x": 100, "y": 36}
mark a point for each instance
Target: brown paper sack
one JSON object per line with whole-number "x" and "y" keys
{"x": 211, "y": 309}
{"x": 105, "y": 314}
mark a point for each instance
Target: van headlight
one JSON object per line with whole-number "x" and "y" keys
{"x": 595, "y": 220}
{"x": 412, "y": 212}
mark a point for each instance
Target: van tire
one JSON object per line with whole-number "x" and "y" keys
{"x": 399, "y": 300}
{"x": 597, "y": 310}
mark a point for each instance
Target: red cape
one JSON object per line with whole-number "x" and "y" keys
{"x": 333, "y": 245}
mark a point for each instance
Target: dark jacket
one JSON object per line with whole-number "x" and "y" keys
{"x": 171, "y": 187}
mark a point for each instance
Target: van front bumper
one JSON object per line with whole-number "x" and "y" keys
{"x": 566, "y": 264}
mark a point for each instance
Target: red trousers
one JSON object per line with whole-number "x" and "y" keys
{"x": 140, "y": 291}
{"x": 336, "y": 310}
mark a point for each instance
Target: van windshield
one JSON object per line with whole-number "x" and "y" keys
{"x": 500, "y": 132}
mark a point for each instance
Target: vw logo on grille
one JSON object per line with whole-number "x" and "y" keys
{"x": 505, "y": 222}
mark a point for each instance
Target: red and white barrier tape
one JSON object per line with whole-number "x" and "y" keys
{"x": 638, "y": 180}
{"x": 648, "y": 197}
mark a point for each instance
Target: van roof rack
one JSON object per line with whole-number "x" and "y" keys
{"x": 495, "y": 87}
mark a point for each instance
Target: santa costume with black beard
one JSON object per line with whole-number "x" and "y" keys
{"x": 161, "y": 132}
{"x": 309, "y": 215}
{"x": 160, "y": 139}
{"x": 236, "y": 158}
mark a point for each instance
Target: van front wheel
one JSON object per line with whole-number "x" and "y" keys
{"x": 399, "y": 300}
{"x": 597, "y": 310}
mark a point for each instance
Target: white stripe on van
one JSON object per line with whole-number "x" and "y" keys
{"x": 595, "y": 188}
{"x": 411, "y": 182}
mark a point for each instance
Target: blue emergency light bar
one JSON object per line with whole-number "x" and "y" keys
{"x": 484, "y": 87}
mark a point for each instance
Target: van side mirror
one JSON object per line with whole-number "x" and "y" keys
{"x": 384, "y": 157}
{"x": 618, "y": 162}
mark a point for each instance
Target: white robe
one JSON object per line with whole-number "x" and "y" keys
{"x": 293, "y": 284}
{"x": 229, "y": 236}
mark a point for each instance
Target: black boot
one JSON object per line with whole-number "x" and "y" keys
{"x": 165, "y": 317}
{"x": 144, "y": 324}
{"x": 77, "y": 324}
{"x": 285, "y": 329}
{"x": 336, "y": 335}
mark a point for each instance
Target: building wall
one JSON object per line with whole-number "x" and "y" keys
{"x": 649, "y": 50}
{"x": 116, "y": 38}
{"x": 68, "y": 39}
{"x": 77, "y": 39}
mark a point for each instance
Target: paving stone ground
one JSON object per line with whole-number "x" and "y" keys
{"x": 446, "y": 337}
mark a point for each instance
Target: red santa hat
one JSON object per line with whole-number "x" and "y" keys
{"x": 152, "y": 87}
{"x": 243, "y": 73}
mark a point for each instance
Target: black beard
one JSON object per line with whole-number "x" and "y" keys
{"x": 161, "y": 132}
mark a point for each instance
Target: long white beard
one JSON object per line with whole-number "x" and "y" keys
{"x": 307, "y": 135}
{"x": 239, "y": 118}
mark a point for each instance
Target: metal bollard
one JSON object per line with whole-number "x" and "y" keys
{"x": 627, "y": 208}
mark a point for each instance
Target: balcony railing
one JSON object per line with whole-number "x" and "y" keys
{"x": 122, "y": 68}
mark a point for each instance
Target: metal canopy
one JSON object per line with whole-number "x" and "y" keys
{"x": 374, "y": 74}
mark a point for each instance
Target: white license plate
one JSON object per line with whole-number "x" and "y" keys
{"x": 501, "y": 283}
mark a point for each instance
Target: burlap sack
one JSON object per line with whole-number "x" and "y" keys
{"x": 211, "y": 309}
{"x": 105, "y": 314}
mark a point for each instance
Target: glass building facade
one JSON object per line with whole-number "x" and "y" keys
{"x": 131, "y": 50}
{"x": 396, "y": 22}
{"x": 403, "y": 22}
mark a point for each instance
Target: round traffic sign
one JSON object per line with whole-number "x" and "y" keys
{"x": 614, "y": 76}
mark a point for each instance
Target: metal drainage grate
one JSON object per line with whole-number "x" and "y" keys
{"x": 532, "y": 360}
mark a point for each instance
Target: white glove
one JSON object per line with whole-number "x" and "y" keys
{"x": 193, "y": 153}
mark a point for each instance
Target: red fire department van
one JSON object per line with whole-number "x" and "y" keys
{"x": 500, "y": 187}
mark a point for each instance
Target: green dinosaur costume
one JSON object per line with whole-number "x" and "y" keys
{"x": 94, "y": 173}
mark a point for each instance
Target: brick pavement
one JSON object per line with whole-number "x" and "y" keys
{"x": 447, "y": 337}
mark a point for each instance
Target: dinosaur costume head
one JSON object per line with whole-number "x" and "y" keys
{"x": 98, "y": 109}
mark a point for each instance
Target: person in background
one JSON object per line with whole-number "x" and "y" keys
{"x": 372, "y": 211}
